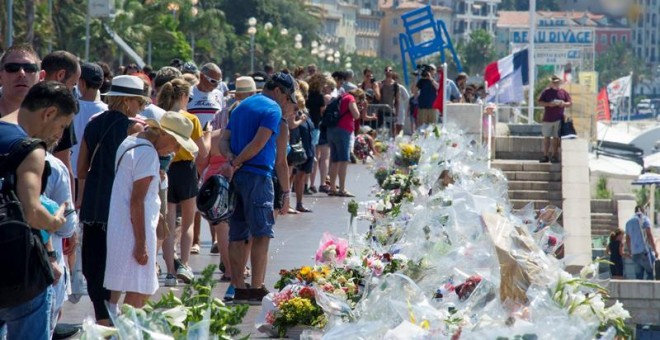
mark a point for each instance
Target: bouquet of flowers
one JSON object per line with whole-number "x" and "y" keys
{"x": 381, "y": 174}
{"x": 295, "y": 306}
{"x": 408, "y": 155}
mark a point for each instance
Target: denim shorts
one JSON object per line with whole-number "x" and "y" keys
{"x": 316, "y": 133}
{"x": 340, "y": 144}
{"x": 253, "y": 215}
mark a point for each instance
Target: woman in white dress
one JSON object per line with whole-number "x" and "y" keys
{"x": 134, "y": 208}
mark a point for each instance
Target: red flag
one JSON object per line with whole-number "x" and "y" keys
{"x": 603, "y": 106}
{"x": 440, "y": 97}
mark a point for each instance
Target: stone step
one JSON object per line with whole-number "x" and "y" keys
{"x": 534, "y": 185}
{"x": 525, "y": 129}
{"x": 535, "y": 195}
{"x": 525, "y": 165}
{"x": 517, "y": 204}
{"x": 537, "y": 176}
{"x": 518, "y": 147}
{"x": 602, "y": 206}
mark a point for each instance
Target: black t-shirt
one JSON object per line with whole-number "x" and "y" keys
{"x": 68, "y": 139}
{"x": 427, "y": 93}
{"x": 314, "y": 104}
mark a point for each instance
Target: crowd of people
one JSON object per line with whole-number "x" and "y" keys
{"x": 125, "y": 157}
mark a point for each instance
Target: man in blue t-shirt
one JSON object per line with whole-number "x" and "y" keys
{"x": 47, "y": 109}
{"x": 639, "y": 242}
{"x": 249, "y": 143}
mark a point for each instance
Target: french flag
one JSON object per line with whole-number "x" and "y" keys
{"x": 506, "y": 78}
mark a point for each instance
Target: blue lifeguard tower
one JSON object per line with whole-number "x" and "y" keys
{"x": 415, "y": 43}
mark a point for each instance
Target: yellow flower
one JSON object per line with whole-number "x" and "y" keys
{"x": 305, "y": 270}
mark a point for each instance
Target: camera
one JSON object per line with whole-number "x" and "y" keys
{"x": 424, "y": 70}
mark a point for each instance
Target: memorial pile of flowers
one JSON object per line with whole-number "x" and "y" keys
{"x": 444, "y": 256}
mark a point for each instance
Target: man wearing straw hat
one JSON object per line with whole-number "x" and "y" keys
{"x": 245, "y": 87}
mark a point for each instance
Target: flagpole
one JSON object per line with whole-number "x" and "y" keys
{"x": 444, "y": 87}
{"x": 532, "y": 65}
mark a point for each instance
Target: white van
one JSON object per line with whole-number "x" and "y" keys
{"x": 644, "y": 107}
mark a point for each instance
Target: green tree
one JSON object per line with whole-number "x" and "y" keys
{"x": 618, "y": 61}
{"x": 477, "y": 51}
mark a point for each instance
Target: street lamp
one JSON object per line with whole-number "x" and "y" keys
{"x": 268, "y": 26}
{"x": 173, "y": 6}
{"x": 194, "y": 12}
{"x": 252, "y": 30}
{"x": 298, "y": 40}
{"x": 284, "y": 32}
{"x": 348, "y": 63}
{"x": 337, "y": 55}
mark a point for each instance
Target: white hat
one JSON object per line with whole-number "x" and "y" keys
{"x": 177, "y": 126}
{"x": 245, "y": 85}
{"x": 126, "y": 86}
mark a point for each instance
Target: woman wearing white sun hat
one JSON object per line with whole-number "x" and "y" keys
{"x": 96, "y": 172}
{"x": 135, "y": 205}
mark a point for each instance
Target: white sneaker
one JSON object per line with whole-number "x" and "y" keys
{"x": 171, "y": 281}
{"x": 185, "y": 274}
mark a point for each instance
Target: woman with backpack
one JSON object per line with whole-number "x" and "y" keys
{"x": 349, "y": 108}
{"x": 302, "y": 133}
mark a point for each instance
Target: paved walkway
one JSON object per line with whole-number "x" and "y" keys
{"x": 295, "y": 243}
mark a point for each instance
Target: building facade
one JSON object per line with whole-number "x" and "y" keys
{"x": 646, "y": 32}
{"x": 471, "y": 15}
{"x": 367, "y": 37}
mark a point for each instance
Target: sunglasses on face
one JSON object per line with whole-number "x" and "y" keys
{"x": 388, "y": 70}
{"x": 15, "y": 67}
{"x": 211, "y": 80}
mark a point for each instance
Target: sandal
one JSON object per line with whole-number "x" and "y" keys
{"x": 292, "y": 211}
{"x": 225, "y": 278}
{"x": 333, "y": 193}
{"x": 344, "y": 194}
{"x": 194, "y": 249}
{"x": 301, "y": 208}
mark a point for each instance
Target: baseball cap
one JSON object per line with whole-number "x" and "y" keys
{"x": 555, "y": 79}
{"x": 92, "y": 74}
{"x": 288, "y": 83}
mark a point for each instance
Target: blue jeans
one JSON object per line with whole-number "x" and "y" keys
{"x": 30, "y": 320}
{"x": 642, "y": 265}
{"x": 340, "y": 144}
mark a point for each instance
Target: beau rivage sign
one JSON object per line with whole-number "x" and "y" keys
{"x": 560, "y": 31}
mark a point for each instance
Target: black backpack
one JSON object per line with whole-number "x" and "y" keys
{"x": 25, "y": 265}
{"x": 331, "y": 115}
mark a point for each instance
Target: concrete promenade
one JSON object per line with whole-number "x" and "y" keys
{"x": 295, "y": 243}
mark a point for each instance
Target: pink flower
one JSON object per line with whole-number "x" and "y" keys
{"x": 270, "y": 317}
{"x": 552, "y": 241}
{"x": 331, "y": 249}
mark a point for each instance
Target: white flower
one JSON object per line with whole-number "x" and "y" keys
{"x": 616, "y": 311}
{"x": 589, "y": 271}
{"x": 400, "y": 257}
{"x": 330, "y": 253}
{"x": 598, "y": 307}
{"x": 176, "y": 316}
{"x": 339, "y": 292}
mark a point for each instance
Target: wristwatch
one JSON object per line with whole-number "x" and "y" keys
{"x": 52, "y": 254}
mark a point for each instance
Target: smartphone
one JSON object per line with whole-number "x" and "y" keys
{"x": 68, "y": 212}
{"x": 206, "y": 126}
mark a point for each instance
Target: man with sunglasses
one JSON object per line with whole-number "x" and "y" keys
{"x": 249, "y": 143}
{"x": 19, "y": 71}
{"x": 208, "y": 95}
